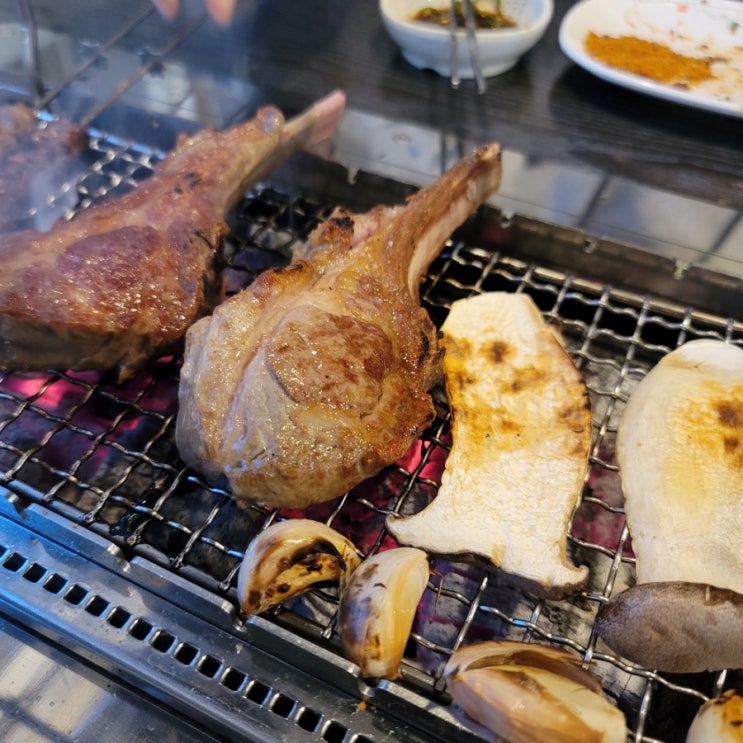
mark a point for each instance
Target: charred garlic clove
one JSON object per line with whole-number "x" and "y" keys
{"x": 526, "y": 693}
{"x": 719, "y": 719}
{"x": 288, "y": 558}
{"x": 378, "y": 607}
{"x": 513, "y": 653}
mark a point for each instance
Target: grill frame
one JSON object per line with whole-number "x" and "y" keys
{"x": 77, "y": 591}
{"x": 613, "y": 328}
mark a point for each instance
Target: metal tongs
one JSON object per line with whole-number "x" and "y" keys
{"x": 470, "y": 27}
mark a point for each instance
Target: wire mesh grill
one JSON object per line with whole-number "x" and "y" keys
{"x": 104, "y": 455}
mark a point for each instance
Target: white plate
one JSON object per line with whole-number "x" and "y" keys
{"x": 710, "y": 28}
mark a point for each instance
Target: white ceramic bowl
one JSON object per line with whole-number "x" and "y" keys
{"x": 426, "y": 46}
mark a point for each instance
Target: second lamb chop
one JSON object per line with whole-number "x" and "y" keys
{"x": 121, "y": 283}
{"x": 318, "y": 375}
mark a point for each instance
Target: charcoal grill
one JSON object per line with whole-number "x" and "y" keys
{"x": 118, "y": 564}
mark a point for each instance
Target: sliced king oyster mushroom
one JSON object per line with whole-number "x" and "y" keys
{"x": 378, "y": 607}
{"x": 720, "y": 720}
{"x": 526, "y": 693}
{"x": 680, "y": 454}
{"x": 288, "y": 558}
{"x": 521, "y": 438}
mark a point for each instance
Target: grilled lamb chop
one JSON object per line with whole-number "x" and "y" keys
{"x": 317, "y": 375}
{"x": 16, "y": 121}
{"x": 34, "y": 161}
{"x": 121, "y": 282}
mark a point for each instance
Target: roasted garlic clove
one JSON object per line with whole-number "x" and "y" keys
{"x": 378, "y": 607}
{"x": 288, "y": 558}
{"x": 528, "y": 693}
{"x": 719, "y": 720}
{"x": 514, "y": 653}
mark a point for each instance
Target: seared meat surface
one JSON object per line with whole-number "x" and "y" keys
{"x": 121, "y": 282}
{"x": 318, "y": 375}
{"x": 34, "y": 161}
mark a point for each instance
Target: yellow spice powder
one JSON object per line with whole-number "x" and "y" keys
{"x": 649, "y": 59}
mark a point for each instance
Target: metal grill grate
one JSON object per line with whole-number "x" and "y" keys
{"x": 104, "y": 456}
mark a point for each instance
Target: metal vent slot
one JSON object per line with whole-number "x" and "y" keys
{"x": 34, "y": 573}
{"x": 14, "y": 562}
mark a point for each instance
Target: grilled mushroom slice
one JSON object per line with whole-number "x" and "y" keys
{"x": 719, "y": 720}
{"x": 521, "y": 436}
{"x": 526, "y": 693}
{"x": 378, "y": 608}
{"x": 288, "y": 558}
{"x": 680, "y": 456}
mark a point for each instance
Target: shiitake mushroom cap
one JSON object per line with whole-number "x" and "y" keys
{"x": 675, "y": 626}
